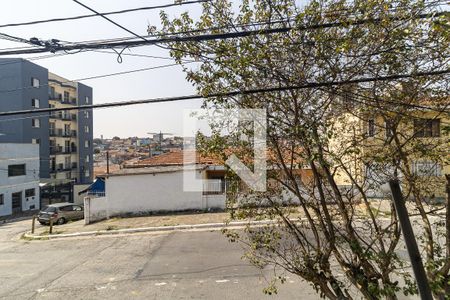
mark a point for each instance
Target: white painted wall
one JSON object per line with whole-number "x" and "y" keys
{"x": 95, "y": 209}
{"x": 149, "y": 193}
{"x": 11, "y": 154}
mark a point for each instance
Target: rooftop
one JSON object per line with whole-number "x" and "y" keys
{"x": 176, "y": 158}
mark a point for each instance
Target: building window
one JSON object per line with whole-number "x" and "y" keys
{"x": 86, "y": 129}
{"x": 86, "y": 173}
{"x": 35, "y": 103}
{"x": 2, "y": 199}
{"x": 87, "y": 158}
{"x": 36, "y": 141}
{"x": 389, "y": 129}
{"x": 30, "y": 193}
{"x": 66, "y": 96}
{"x": 427, "y": 127}
{"x": 427, "y": 168}
{"x": 35, "y": 123}
{"x": 16, "y": 170}
{"x": 87, "y": 144}
{"x": 371, "y": 127}
{"x": 86, "y": 100}
{"x": 86, "y": 115}
{"x": 34, "y": 82}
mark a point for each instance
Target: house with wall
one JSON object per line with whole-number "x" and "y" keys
{"x": 156, "y": 185}
{"x": 426, "y": 129}
{"x": 19, "y": 178}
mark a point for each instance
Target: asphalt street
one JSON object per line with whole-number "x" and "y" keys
{"x": 170, "y": 265}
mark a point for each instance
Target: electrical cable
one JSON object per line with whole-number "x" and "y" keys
{"x": 231, "y": 93}
{"x": 97, "y": 76}
{"x": 208, "y": 37}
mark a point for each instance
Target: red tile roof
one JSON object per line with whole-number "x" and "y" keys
{"x": 175, "y": 158}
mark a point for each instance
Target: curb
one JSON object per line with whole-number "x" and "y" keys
{"x": 28, "y": 235}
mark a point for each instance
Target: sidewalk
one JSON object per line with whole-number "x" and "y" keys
{"x": 134, "y": 222}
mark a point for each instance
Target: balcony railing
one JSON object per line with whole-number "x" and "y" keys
{"x": 55, "y": 150}
{"x": 61, "y": 98}
{"x": 56, "y": 132}
{"x": 55, "y": 96}
{"x": 62, "y": 150}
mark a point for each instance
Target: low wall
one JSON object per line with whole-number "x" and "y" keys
{"x": 95, "y": 209}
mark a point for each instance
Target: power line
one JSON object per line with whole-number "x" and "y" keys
{"x": 98, "y": 76}
{"x": 208, "y": 37}
{"x": 109, "y": 20}
{"x": 105, "y": 13}
{"x": 232, "y": 93}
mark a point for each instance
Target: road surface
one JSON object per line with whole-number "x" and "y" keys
{"x": 170, "y": 265}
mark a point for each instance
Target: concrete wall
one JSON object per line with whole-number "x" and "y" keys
{"x": 86, "y": 157}
{"x": 11, "y": 154}
{"x": 149, "y": 193}
{"x": 95, "y": 209}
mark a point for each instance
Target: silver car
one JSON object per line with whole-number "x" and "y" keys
{"x": 60, "y": 213}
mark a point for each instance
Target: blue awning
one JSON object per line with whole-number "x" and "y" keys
{"x": 97, "y": 187}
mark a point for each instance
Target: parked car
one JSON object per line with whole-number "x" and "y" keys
{"x": 60, "y": 213}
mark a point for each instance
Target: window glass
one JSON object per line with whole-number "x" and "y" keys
{"x": 35, "y": 123}
{"x": 35, "y": 103}
{"x": 2, "y": 199}
{"x": 50, "y": 209}
{"x": 371, "y": 129}
{"x": 16, "y": 170}
{"x": 34, "y": 82}
{"x": 427, "y": 127}
{"x": 66, "y": 208}
{"x": 30, "y": 193}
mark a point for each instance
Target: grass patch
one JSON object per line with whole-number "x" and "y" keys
{"x": 112, "y": 227}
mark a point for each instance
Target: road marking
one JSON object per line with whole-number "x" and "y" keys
{"x": 40, "y": 290}
{"x": 222, "y": 280}
{"x": 160, "y": 283}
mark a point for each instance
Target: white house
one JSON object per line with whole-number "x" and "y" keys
{"x": 19, "y": 178}
{"x": 156, "y": 185}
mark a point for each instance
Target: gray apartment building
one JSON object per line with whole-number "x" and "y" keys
{"x": 64, "y": 138}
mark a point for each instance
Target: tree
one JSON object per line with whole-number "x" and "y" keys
{"x": 326, "y": 224}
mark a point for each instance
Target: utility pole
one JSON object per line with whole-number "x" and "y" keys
{"x": 107, "y": 162}
{"x": 410, "y": 241}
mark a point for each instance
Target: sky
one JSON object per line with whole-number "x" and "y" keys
{"x": 122, "y": 121}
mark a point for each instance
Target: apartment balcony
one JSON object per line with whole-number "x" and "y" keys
{"x": 55, "y": 96}
{"x": 70, "y": 100}
{"x": 55, "y": 150}
{"x": 59, "y": 97}
{"x": 56, "y": 132}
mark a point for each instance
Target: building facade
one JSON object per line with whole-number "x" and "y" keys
{"x": 64, "y": 138}
{"x": 19, "y": 178}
